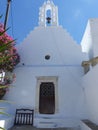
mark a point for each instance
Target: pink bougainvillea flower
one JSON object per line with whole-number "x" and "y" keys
{"x": 9, "y": 57}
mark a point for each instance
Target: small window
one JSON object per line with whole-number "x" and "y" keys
{"x": 47, "y": 57}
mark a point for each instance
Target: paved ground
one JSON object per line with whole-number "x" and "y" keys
{"x": 33, "y": 128}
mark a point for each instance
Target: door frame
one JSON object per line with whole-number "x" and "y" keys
{"x": 41, "y": 79}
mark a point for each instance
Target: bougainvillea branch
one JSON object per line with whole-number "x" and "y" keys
{"x": 9, "y": 57}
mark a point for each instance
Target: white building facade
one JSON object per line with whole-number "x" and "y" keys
{"x": 50, "y": 77}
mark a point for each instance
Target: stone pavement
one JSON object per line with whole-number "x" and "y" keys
{"x": 33, "y": 128}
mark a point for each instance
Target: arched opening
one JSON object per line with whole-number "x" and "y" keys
{"x": 48, "y": 17}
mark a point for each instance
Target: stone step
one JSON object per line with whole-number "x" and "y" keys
{"x": 90, "y": 124}
{"x": 55, "y": 123}
{"x": 34, "y": 128}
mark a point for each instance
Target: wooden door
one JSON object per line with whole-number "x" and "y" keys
{"x": 47, "y": 98}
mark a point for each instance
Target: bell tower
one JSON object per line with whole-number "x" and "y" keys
{"x": 48, "y": 14}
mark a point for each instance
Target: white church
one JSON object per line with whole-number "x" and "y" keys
{"x": 56, "y": 77}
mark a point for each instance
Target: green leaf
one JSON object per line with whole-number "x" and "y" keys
{"x": 1, "y": 33}
{"x": 5, "y": 58}
{"x": 2, "y": 128}
{"x": 6, "y": 45}
{"x": 3, "y": 87}
{"x": 5, "y": 101}
{"x": 4, "y": 113}
{"x": 2, "y": 108}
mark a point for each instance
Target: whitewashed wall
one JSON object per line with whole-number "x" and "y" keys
{"x": 90, "y": 82}
{"x": 64, "y": 63}
{"x": 71, "y": 96}
{"x": 89, "y": 42}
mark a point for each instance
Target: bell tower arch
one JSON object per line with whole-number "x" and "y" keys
{"x": 48, "y": 14}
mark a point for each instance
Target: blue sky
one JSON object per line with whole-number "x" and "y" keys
{"x": 73, "y": 15}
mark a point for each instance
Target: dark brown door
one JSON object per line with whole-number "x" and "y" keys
{"x": 47, "y": 98}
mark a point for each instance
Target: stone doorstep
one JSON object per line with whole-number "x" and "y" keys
{"x": 90, "y": 124}
{"x": 22, "y": 128}
{"x": 34, "y": 128}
